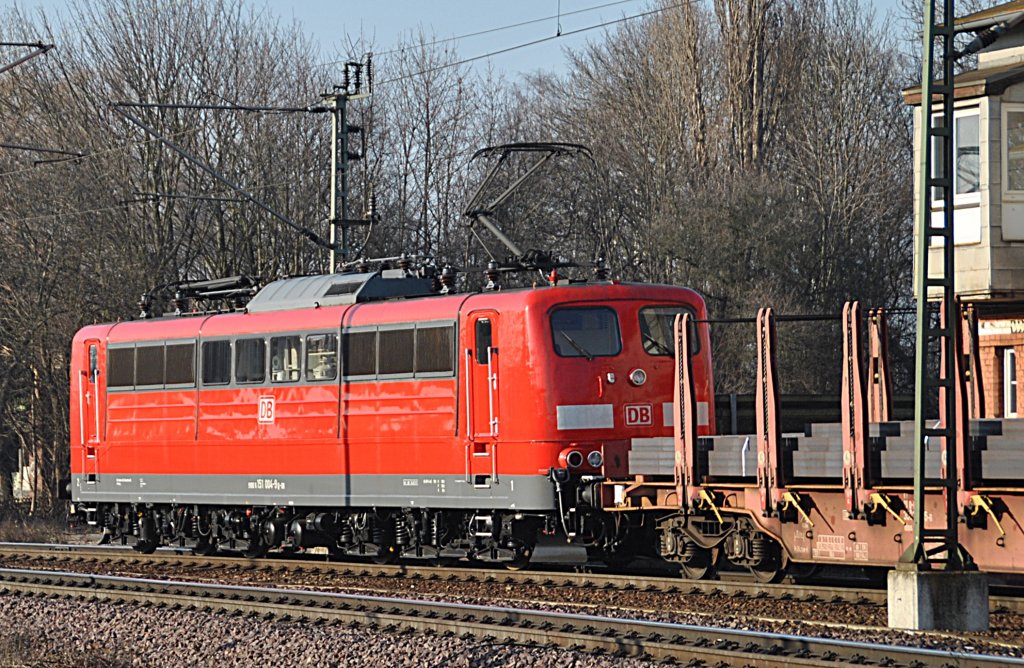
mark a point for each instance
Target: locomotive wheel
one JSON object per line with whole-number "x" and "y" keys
{"x": 145, "y": 546}
{"x": 387, "y": 555}
{"x": 204, "y": 548}
{"x": 519, "y": 562}
{"x": 257, "y": 550}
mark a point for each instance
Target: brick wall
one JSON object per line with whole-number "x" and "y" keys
{"x": 991, "y": 358}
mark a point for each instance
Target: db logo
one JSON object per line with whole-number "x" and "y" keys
{"x": 266, "y": 413}
{"x": 638, "y": 415}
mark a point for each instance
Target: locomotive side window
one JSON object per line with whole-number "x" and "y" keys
{"x": 590, "y": 332}
{"x": 285, "y": 356}
{"x": 321, "y": 357}
{"x": 434, "y": 350}
{"x": 250, "y": 360}
{"x": 396, "y": 348}
{"x": 216, "y": 362}
{"x": 149, "y": 365}
{"x": 656, "y": 323}
{"x": 181, "y": 364}
{"x": 360, "y": 353}
{"x": 121, "y": 367}
{"x": 484, "y": 340}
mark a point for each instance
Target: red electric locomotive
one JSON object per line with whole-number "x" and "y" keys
{"x": 371, "y": 415}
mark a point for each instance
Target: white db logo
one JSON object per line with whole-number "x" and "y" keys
{"x": 266, "y": 413}
{"x": 638, "y": 415}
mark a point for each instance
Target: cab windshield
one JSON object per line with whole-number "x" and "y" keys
{"x": 656, "y": 324}
{"x": 586, "y": 332}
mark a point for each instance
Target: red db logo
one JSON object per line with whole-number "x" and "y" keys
{"x": 266, "y": 412}
{"x": 638, "y": 415}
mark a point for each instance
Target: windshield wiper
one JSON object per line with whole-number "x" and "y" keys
{"x": 657, "y": 344}
{"x": 580, "y": 349}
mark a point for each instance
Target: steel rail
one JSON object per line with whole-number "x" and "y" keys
{"x": 830, "y": 593}
{"x": 502, "y": 625}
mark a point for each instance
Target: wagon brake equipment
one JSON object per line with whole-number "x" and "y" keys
{"x": 482, "y": 213}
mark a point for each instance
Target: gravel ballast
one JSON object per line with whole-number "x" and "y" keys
{"x": 36, "y": 631}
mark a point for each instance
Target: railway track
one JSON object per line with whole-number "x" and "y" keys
{"x": 616, "y": 637}
{"x": 64, "y": 556}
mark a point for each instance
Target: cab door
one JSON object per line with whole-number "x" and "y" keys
{"x": 482, "y": 372}
{"x": 90, "y": 405}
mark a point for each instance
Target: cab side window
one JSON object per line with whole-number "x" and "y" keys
{"x": 321, "y": 357}
{"x": 285, "y": 358}
{"x": 250, "y": 360}
{"x": 216, "y": 362}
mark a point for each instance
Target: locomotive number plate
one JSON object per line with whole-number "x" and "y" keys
{"x": 639, "y": 415}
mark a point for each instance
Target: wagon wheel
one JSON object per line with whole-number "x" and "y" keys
{"x": 701, "y": 564}
{"x": 767, "y": 575}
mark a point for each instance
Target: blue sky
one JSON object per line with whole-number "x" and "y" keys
{"x": 387, "y": 20}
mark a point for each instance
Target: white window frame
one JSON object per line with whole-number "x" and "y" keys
{"x": 1009, "y": 361}
{"x": 1004, "y": 151}
{"x": 965, "y": 199}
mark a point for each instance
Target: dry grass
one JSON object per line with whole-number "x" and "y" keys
{"x": 16, "y": 525}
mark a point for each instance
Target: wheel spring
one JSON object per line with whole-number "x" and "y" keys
{"x": 690, "y": 553}
{"x": 667, "y": 543}
{"x": 402, "y": 533}
{"x": 346, "y": 535}
{"x": 758, "y": 548}
{"x": 382, "y": 530}
{"x": 435, "y": 529}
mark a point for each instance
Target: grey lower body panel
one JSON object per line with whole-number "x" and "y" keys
{"x": 521, "y": 492}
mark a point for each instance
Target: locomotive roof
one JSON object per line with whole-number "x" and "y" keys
{"x": 338, "y": 289}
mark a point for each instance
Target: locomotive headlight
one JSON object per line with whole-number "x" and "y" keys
{"x": 638, "y": 377}
{"x": 595, "y": 459}
{"x": 570, "y": 458}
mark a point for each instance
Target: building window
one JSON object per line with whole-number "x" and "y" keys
{"x": 966, "y": 147}
{"x": 1013, "y": 149}
{"x": 966, "y": 157}
{"x": 1009, "y": 356}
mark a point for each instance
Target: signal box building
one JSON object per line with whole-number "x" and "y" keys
{"x": 988, "y": 145}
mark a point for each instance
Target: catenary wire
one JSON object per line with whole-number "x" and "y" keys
{"x": 489, "y": 31}
{"x": 541, "y": 40}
